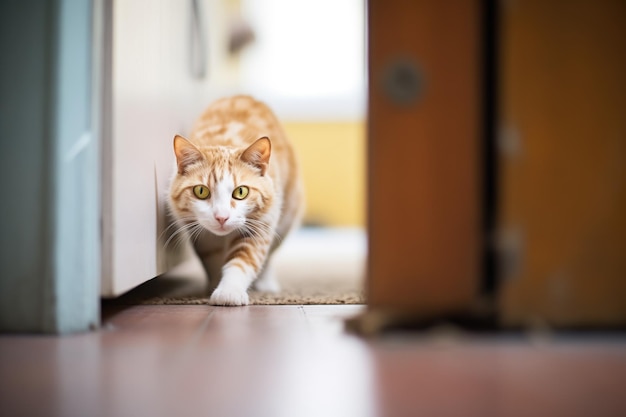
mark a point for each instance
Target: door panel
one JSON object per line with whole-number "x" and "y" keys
{"x": 150, "y": 91}
{"x": 423, "y": 151}
{"x": 563, "y": 179}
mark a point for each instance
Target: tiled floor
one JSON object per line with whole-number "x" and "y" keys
{"x": 298, "y": 361}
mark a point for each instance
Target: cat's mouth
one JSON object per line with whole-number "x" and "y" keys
{"x": 221, "y": 229}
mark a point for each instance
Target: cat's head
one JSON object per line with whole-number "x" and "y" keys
{"x": 222, "y": 188}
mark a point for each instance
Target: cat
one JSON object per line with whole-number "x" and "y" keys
{"x": 237, "y": 189}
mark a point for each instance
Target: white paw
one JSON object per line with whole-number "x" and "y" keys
{"x": 229, "y": 296}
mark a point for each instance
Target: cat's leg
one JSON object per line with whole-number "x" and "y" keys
{"x": 267, "y": 281}
{"x": 233, "y": 288}
{"x": 213, "y": 267}
{"x": 244, "y": 261}
{"x": 210, "y": 250}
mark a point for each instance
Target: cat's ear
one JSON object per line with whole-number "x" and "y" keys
{"x": 258, "y": 154}
{"x": 186, "y": 153}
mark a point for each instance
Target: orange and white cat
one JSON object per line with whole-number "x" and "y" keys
{"x": 237, "y": 187}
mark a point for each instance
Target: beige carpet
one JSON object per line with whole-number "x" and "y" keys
{"x": 314, "y": 266}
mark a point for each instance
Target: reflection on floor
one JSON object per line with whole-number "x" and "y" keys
{"x": 299, "y": 361}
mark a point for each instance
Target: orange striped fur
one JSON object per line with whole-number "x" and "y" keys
{"x": 237, "y": 142}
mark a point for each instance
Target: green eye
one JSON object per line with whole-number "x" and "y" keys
{"x": 202, "y": 192}
{"x": 241, "y": 192}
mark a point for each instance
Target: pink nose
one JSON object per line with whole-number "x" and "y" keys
{"x": 221, "y": 220}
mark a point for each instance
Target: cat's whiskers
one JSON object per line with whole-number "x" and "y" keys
{"x": 259, "y": 230}
{"x": 180, "y": 232}
{"x": 177, "y": 238}
{"x": 196, "y": 232}
{"x": 177, "y": 223}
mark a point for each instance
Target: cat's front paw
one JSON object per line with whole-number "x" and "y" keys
{"x": 229, "y": 296}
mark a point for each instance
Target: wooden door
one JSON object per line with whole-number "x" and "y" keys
{"x": 563, "y": 162}
{"x": 424, "y": 155}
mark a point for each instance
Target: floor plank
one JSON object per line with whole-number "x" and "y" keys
{"x": 298, "y": 360}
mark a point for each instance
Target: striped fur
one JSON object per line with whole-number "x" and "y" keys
{"x": 236, "y": 142}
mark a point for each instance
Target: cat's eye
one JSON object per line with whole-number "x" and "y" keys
{"x": 241, "y": 192}
{"x": 202, "y": 192}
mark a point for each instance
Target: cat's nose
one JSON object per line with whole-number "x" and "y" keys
{"x": 221, "y": 220}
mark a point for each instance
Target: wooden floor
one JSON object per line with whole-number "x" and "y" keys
{"x": 298, "y": 361}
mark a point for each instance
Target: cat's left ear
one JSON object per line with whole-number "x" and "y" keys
{"x": 186, "y": 153}
{"x": 258, "y": 154}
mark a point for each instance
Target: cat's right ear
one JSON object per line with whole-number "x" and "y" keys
{"x": 186, "y": 153}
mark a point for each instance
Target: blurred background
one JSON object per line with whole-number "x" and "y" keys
{"x": 307, "y": 61}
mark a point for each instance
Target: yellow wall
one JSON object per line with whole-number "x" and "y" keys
{"x": 332, "y": 158}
